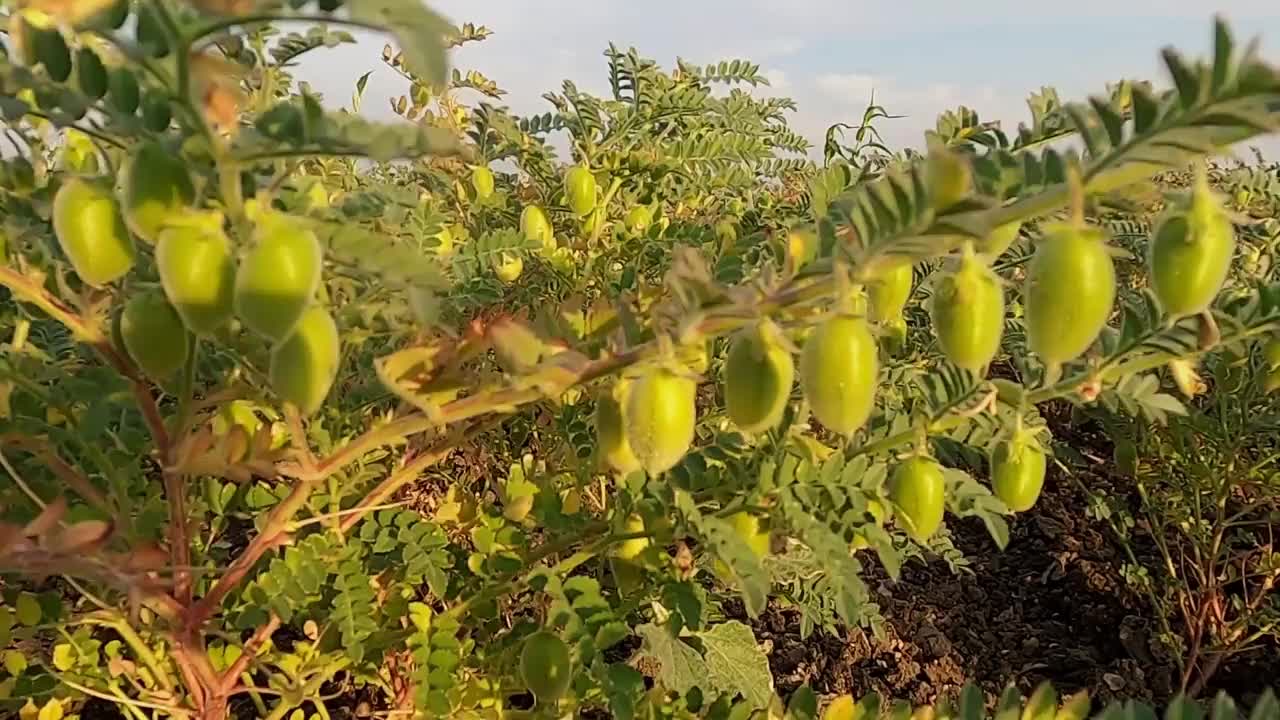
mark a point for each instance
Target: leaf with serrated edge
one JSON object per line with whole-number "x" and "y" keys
{"x": 680, "y": 667}
{"x": 735, "y": 662}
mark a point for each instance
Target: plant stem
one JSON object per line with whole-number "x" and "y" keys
{"x": 602, "y": 209}
{"x": 120, "y": 624}
{"x": 516, "y": 580}
{"x": 74, "y": 479}
{"x": 276, "y": 528}
{"x": 249, "y": 652}
{"x": 406, "y": 474}
{"x": 218, "y": 26}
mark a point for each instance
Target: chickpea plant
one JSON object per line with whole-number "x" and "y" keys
{"x": 489, "y": 432}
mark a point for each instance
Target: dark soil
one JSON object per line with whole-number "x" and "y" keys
{"x": 1052, "y": 606}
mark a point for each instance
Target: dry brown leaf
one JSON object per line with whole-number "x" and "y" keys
{"x": 144, "y": 558}
{"x": 48, "y": 518}
{"x": 236, "y": 443}
{"x": 9, "y": 536}
{"x": 216, "y": 82}
{"x": 82, "y": 537}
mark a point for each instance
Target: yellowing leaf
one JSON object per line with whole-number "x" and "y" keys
{"x": 841, "y": 708}
{"x": 70, "y": 12}
{"x": 52, "y": 710}
{"x": 64, "y": 656}
{"x": 15, "y": 662}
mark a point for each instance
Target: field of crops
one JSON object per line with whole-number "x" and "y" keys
{"x": 642, "y": 407}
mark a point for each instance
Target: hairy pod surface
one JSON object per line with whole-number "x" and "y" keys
{"x": 659, "y": 418}
{"x": 1190, "y": 254}
{"x": 546, "y": 667}
{"x": 91, "y": 231}
{"x": 967, "y": 311}
{"x": 198, "y": 274}
{"x": 304, "y": 365}
{"x": 758, "y": 375}
{"x": 482, "y": 181}
{"x": 535, "y": 226}
{"x": 887, "y": 296}
{"x": 156, "y": 187}
{"x": 611, "y": 438}
{"x": 277, "y": 279}
{"x": 838, "y": 373}
{"x": 1017, "y": 472}
{"x": 507, "y": 266}
{"x": 918, "y": 491}
{"x": 580, "y": 189}
{"x": 1069, "y": 292}
{"x": 153, "y": 334}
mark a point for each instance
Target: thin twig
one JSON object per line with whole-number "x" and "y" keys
{"x": 22, "y": 484}
{"x": 174, "y": 709}
{"x": 260, "y": 636}
{"x": 74, "y": 479}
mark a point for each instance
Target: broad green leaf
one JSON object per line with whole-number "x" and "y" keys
{"x": 1223, "y": 708}
{"x": 1183, "y": 708}
{"x": 623, "y": 686}
{"x": 27, "y": 609}
{"x": 419, "y": 31}
{"x": 972, "y": 703}
{"x": 1267, "y": 707}
{"x": 802, "y": 705}
{"x": 735, "y": 662}
{"x": 680, "y": 667}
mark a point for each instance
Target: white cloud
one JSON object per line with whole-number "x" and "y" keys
{"x": 778, "y": 81}
{"x": 828, "y": 55}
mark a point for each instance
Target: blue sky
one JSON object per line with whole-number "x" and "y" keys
{"x": 920, "y": 56}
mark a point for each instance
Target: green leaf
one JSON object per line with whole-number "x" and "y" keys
{"x": 419, "y": 31}
{"x": 972, "y": 704}
{"x": 15, "y": 662}
{"x": 1267, "y": 707}
{"x": 302, "y": 127}
{"x": 623, "y": 685}
{"x": 6, "y": 624}
{"x": 1043, "y": 703}
{"x": 680, "y": 667}
{"x": 843, "y": 572}
{"x": 1223, "y": 708}
{"x": 1183, "y": 708}
{"x": 802, "y": 705}
{"x": 736, "y": 662}
{"x": 1010, "y": 705}
{"x": 27, "y": 609}
{"x": 743, "y": 564}
{"x": 685, "y": 602}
